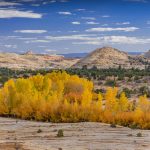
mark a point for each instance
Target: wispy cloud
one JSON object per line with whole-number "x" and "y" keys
{"x": 76, "y": 23}
{"x": 36, "y": 5}
{"x": 148, "y": 22}
{"x": 10, "y": 46}
{"x": 26, "y": 38}
{"x": 42, "y": 46}
{"x": 50, "y": 50}
{"x": 43, "y": 1}
{"x": 63, "y": 1}
{"x": 127, "y": 29}
{"x": 105, "y": 16}
{"x": 114, "y": 40}
{"x": 31, "y": 31}
{"x": 80, "y": 9}
{"x": 3, "y": 3}
{"x": 37, "y": 41}
{"x": 104, "y": 25}
{"x": 122, "y": 23}
{"x": 64, "y": 13}
{"x": 88, "y": 18}
{"x": 73, "y": 31}
{"x": 71, "y": 37}
{"x": 141, "y": 1}
{"x": 92, "y": 23}
{"x": 94, "y": 39}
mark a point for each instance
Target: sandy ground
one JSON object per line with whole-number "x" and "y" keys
{"x": 23, "y": 135}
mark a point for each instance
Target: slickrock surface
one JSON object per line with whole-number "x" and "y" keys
{"x": 23, "y": 135}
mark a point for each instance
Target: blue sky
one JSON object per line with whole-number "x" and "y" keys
{"x": 74, "y": 26}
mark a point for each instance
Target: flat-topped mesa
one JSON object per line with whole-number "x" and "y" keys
{"x": 106, "y": 57}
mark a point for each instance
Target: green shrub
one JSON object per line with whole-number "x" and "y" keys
{"x": 129, "y": 135}
{"x": 139, "y": 134}
{"x": 111, "y": 83}
{"x": 39, "y": 131}
{"x": 133, "y": 126}
{"x": 113, "y": 125}
{"x": 60, "y": 133}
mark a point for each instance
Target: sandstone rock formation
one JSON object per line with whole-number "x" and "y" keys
{"x": 108, "y": 57}
{"x": 34, "y": 61}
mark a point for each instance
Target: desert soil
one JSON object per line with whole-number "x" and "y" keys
{"x": 23, "y": 135}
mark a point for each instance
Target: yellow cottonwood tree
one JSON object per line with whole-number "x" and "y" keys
{"x": 99, "y": 101}
{"x": 144, "y": 103}
{"x": 111, "y": 103}
{"x": 123, "y": 103}
{"x": 60, "y": 97}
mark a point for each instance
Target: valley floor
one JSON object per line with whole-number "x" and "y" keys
{"x": 24, "y": 135}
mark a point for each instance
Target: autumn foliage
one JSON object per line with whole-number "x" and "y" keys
{"x": 60, "y": 97}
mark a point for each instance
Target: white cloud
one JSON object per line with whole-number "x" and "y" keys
{"x": 10, "y": 46}
{"x": 36, "y": 5}
{"x": 3, "y": 3}
{"x": 73, "y": 31}
{"x": 28, "y": 0}
{"x": 37, "y": 41}
{"x": 88, "y": 18}
{"x": 26, "y": 38}
{"x": 104, "y": 25}
{"x": 13, "y": 13}
{"x": 45, "y": 3}
{"x": 92, "y": 23}
{"x": 148, "y": 22}
{"x": 63, "y": 1}
{"x": 71, "y": 37}
{"x": 9, "y": 37}
{"x": 87, "y": 43}
{"x": 127, "y": 29}
{"x": 80, "y": 9}
{"x": 31, "y": 31}
{"x": 115, "y": 40}
{"x": 126, "y": 40}
{"x": 122, "y": 23}
{"x": 76, "y": 22}
{"x": 42, "y": 46}
{"x": 50, "y": 50}
{"x": 141, "y": 1}
{"x": 64, "y": 13}
{"x": 105, "y": 16}
{"x": 94, "y": 39}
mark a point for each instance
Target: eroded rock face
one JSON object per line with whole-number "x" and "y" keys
{"x": 108, "y": 57}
